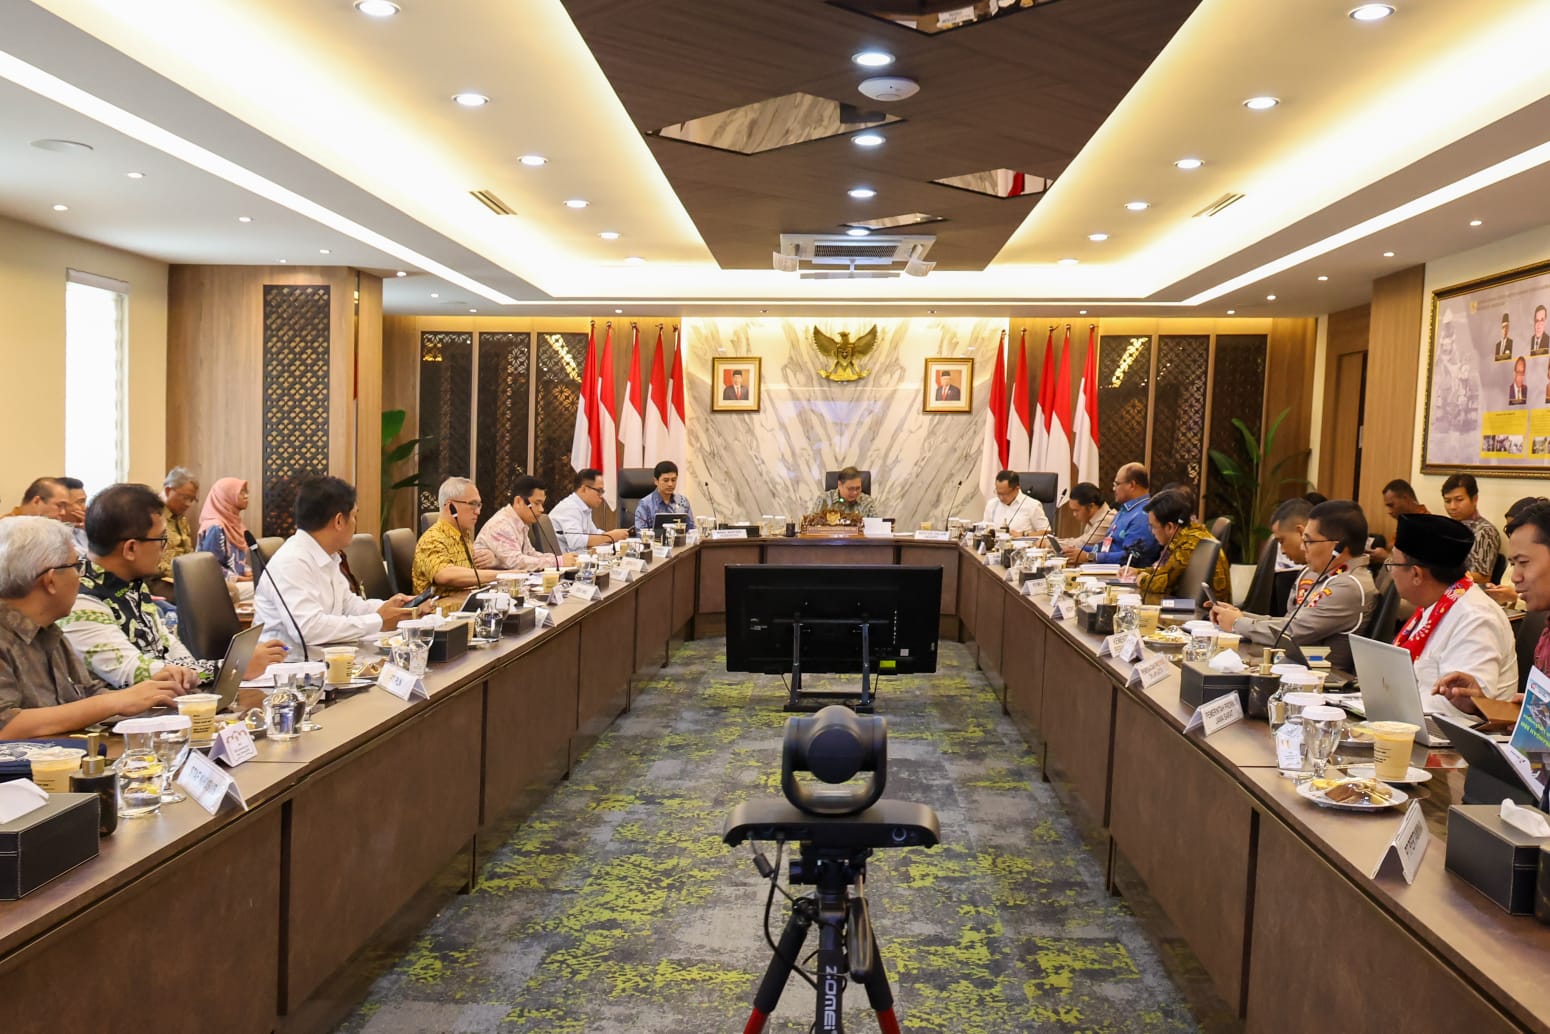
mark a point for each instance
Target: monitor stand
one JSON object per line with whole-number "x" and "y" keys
{"x": 800, "y": 701}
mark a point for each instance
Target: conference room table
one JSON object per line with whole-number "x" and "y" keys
{"x": 246, "y": 920}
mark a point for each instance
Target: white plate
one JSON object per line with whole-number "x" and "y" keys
{"x": 1306, "y": 791}
{"x": 1412, "y": 776}
{"x": 476, "y": 643}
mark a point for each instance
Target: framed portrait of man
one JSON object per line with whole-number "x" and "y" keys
{"x": 949, "y": 385}
{"x": 734, "y": 384}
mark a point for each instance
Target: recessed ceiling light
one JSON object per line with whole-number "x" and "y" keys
{"x": 471, "y": 100}
{"x": 1474, "y": 222}
{"x": 868, "y": 139}
{"x": 135, "y": 175}
{"x": 324, "y": 251}
{"x": 376, "y": 8}
{"x": 244, "y": 219}
{"x": 618, "y": 312}
{"x": 1270, "y": 297}
{"x": 62, "y": 146}
{"x": 1322, "y": 278}
{"x": 1232, "y": 312}
{"x": 861, "y": 193}
{"x": 534, "y": 160}
{"x": 1388, "y": 254}
{"x": 61, "y": 208}
{"x": 400, "y": 273}
{"x": 634, "y": 260}
{"x": 1188, "y": 163}
{"x": 575, "y": 202}
{"x": 872, "y": 58}
{"x": 1066, "y": 262}
{"x": 284, "y": 261}
{"x": 1137, "y": 206}
{"x": 1370, "y": 12}
{"x": 1261, "y": 103}
{"x": 473, "y": 310}
{"x": 858, "y": 231}
{"x": 609, "y": 235}
{"x": 1097, "y": 238}
{"x": 435, "y": 295}
{"x": 1081, "y": 312}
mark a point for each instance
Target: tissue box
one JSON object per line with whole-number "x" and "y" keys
{"x": 450, "y": 643}
{"x": 47, "y": 843}
{"x": 1494, "y": 858}
{"x": 518, "y": 621}
{"x": 1198, "y": 684}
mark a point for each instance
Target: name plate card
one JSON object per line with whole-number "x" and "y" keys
{"x": 632, "y": 564}
{"x": 1215, "y": 715}
{"x": 1123, "y": 647}
{"x": 931, "y": 536}
{"x": 663, "y": 552}
{"x": 233, "y": 745}
{"x": 402, "y": 683}
{"x": 1034, "y": 587}
{"x": 1151, "y": 671}
{"x": 729, "y": 533}
{"x": 1408, "y": 846}
{"x": 585, "y": 593}
{"x": 1063, "y": 609}
{"x": 205, "y": 782}
{"x": 542, "y": 617}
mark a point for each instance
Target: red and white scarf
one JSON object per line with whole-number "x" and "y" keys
{"x": 1414, "y": 635}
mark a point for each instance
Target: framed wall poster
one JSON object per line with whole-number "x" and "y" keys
{"x": 1488, "y": 377}
{"x": 949, "y": 385}
{"x": 734, "y": 384}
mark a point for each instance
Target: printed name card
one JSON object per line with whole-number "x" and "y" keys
{"x": 1063, "y": 609}
{"x": 403, "y": 684}
{"x": 1215, "y": 715}
{"x": 233, "y": 745}
{"x": 1151, "y": 671}
{"x": 1123, "y": 647}
{"x": 662, "y": 552}
{"x": 729, "y": 533}
{"x": 542, "y": 617}
{"x": 632, "y": 564}
{"x": 204, "y": 781}
{"x": 585, "y": 593}
{"x": 931, "y": 536}
{"x": 1408, "y": 846}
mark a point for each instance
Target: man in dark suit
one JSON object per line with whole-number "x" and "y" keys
{"x": 1539, "y": 344}
{"x": 1504, "y": 346}
{"x": 737, "y": 391}
{"x": 1517, "y": 395}
{"x": 946, "y": 390}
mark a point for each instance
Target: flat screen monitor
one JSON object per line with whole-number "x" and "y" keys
{"x": 666, "y": 517}
{"x": 903, "y": 603}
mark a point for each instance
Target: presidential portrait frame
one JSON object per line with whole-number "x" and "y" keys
{"x": 960, "y": 374}
{"x": 721, "y": 383}
{"x": 1476, "y": 419}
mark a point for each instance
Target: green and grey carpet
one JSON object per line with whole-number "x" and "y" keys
{"x": 617, "y": 908}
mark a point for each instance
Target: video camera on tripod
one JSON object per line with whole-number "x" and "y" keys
{"x": 836, "y": 827}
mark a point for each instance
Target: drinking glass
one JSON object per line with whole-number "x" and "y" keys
{"x": 1127, "y": 615}
{"x": 487, "y": 623}
{"x": 170, "y": 745}
{"x": 1321, "y": 734}
{"x": 311, "y": 695}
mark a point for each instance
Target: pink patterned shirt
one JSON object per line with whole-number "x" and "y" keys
{"x": 505, "y": 537}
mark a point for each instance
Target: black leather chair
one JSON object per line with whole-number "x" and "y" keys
{"x": 206, "y": 617}
{"x": 1221, "y": 530}
{"x": 635, "y": 484}
{"x": 266, "y": 549}
{"x": 366, "y": 563}
{"x": 1262, "y": 586}
{"x": 1385, "y": 615}
{"x": 1199, "y": 570}
{"x": 1042, "y": 485}
{"x": 1499, "y": 568}
{"x": 548, "y": 538}
{"x": 831, "y": 481}
{"x": 1525, "y": 633}
{"x": 428, "y": 518}
{"x": 398, "y": 545}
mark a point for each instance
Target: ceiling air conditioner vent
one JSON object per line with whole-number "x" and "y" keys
{"x": 1220, "y": 205}
{"x": 488, "y": 199}
{"x": 836, "y": 249}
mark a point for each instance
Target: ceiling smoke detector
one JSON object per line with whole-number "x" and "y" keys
{"x": 888, "y": 88}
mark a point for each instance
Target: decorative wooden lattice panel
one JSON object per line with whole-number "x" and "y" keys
{"x": 505, "y": 359}
{"x": 558, "y": 364}
{"x": 446, "y": 410}
{"x": 1124, "y": 374}
{"x": 296, "y": 366}
{"x": 1237, "y": 390}
{"x": 1179, "y": 410}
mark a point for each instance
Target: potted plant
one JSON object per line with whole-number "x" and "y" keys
{"x": 1248, "y": 488}
{"x": 393, "y": 455}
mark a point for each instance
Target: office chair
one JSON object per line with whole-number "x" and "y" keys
{"x": 398, "y": 544}
{"x": 207, "y": 618}
{"x": 1200, "y": 570}
{"x": 260, "y": 556}
{"x": 635, "y": 484}
{"x": 1042, "y": 485}
{"x": 369, "y": 567}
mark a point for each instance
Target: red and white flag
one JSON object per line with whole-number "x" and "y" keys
{"x": 993, "y": 454}
{"x": 1086, "y": 440}
{"x": 1019, "y": 424}
{"x": 608, "y": 446}
{"x": 677, "y": 429}
{"x": 1058, "y": 459}
{"x": 656, "y": 408}
{"x": 1038, "y": 459}
{"x": 586, "y": 449}
{"x": 632, "y": 422}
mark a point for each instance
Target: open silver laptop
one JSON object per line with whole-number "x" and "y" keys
{"x": 229, "y": 677}
{"x": 1385, "y": 675}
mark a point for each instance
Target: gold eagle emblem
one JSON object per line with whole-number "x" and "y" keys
{"x": 844, "y": 353}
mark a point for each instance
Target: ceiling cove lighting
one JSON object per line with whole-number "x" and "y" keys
{"x": 1261, "y": 103}
{"x": 1188, "y": 164}
{"x": 868, "y": 139}
{"x": 376, "y": 8}
{"x": 1370, "y": 12}
{"x": 861, "y": 193}
{"x": 470, "y": 100}
{"x": 872, "y": 58}
{"x": 533, "y": 160}
{"x": 53, "y": 88}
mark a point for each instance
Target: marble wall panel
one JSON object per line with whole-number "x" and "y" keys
{"x": 773, "y": 461}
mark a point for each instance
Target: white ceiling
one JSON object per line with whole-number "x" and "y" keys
{"x": 349, "y": 120}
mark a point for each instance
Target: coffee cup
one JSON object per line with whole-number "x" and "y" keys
{"x": 1391, "y": 746}
{"x": 341, "y": 662}
{"x": 200, "y": 710}
{"x": 551, "y": 579}
{"x": 52, "y": 768}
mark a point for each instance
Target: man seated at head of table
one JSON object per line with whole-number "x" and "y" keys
{"x": 1130, "y": 539}
{"x": 444, "y": 557}
{"x": 1456, "y": 628}
{"x": 1173, "y": 523}
{"x": 506, "y": 540}
{"x": 305, "y": 573}
{"x": 45, "y": 690}
{"x": 1333, "y": 596}
{"x": 1015, "y": 510}
{"x": 115, "y": 626}
{"x": 846, "y": 496}
{"x": 572, "y": 517}
{"x": 1095, "y": 516}
{"x": 665, "y": 498}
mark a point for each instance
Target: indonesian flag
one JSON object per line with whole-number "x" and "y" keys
{"x": 1059, "y": 455}
{"x": 608, "y": 443}
{"x": 1019, "y": 425}
{"x": 993, "y": 455}
{"x": 1039, "y": 459}
{"x": 656, "y": 408}
{"x": 632, "y": 422}
{"x": 586, "y": 445}
{"x": 1086, "y": 440}
{"x": 677, "y": 432}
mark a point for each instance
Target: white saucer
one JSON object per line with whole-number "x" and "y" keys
{"x": 1413, "y": 776}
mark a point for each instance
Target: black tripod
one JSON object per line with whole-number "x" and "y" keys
{"x": 846, "y": 946}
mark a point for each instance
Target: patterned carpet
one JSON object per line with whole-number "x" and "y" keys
{"x": 617, "y": 908}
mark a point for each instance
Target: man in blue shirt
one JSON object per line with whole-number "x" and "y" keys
{"x": 666, "y": 498}
{"x": 1130, "y": 537}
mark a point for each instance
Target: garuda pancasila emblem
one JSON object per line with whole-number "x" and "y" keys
{"x": 844, "y": 353}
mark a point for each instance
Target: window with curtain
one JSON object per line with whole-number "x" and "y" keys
{"x": 96, "y": 310}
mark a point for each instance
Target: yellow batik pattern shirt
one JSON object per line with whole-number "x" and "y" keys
{"x": 442, "y": 545}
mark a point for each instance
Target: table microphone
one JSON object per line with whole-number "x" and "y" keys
{"x": 713, "y": 506}
{"x": 1286, "y": 628}
{"x": 954, "y": 505}
{"x": 253, "y": 551}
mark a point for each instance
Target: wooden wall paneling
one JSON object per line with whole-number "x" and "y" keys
{"x": 530, "y": 717}
{"x": 1289, "y": 359}
{"x": 1345, "y": 346}
{"x": 366, "y": 411}
{"x": 1394, "y": 360}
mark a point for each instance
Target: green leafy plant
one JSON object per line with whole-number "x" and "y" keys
{"x": 393, "y": 455}
{"x": 1249, "y": 488}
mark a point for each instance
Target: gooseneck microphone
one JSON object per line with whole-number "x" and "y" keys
{"x": 253, "y": 551}
{"x": 710, "y": 497}
{"x": 1287, "y": 628}
{"x": 953, "y": 505}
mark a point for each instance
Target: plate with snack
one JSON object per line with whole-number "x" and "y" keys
{"x": 1169, "y": 638}
{"x": 1413, "y": 775}
{"x": 1352, "y": 794}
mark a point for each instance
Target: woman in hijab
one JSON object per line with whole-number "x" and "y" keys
{"x": 222, "y": 532}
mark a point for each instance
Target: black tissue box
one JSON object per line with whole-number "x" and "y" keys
{"x": 1097, "y": 619}
{"x": 1494, "y": 858}
{"x": 518, "y": 621}
{"x": 450, "y": 643}
{"x": 47, "y": 843}
{"x": 1198, "y": 684}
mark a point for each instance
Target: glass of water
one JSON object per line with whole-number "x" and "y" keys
{"x": 169, "y": 745}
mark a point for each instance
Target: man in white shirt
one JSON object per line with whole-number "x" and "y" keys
{"x": 1096, "y": 516}
{"x": 1020, "y": 514}
{"x": 572, "y": 517}
{"x": 506, "y": 540}
{"x": 1456, "y": 627}
{"x": 304, "y": 573}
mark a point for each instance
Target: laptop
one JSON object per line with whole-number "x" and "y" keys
{"x": 1385, "y": 674}
{"x": 667, "y": 517}
{"x": 228, "y": 678}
